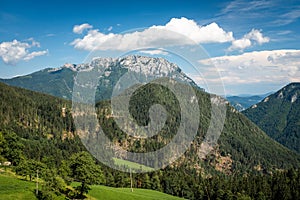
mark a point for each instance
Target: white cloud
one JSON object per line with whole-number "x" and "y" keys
{"x": 154, "y": 52}
{"x": 240, "y": 44}
{"x": 255, "y": 67}
{"x": 13, "y": 52}
{"x": 257, "y": 36}
{"x": 254, "y": 36}
{"x": 35, "y": 54}
{"x": 178, "y": 31}
{"x": 78, "y": 29}
{"x": 200, "y": 34}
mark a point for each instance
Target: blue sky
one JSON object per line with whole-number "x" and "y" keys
{"x": 253, "y": 44}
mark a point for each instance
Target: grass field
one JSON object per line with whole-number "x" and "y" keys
{"x": 132, "y": 165}
{"x": 109, "y": 193}
{"x": 12, "y": 188}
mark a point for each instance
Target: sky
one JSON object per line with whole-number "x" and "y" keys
{"x": 249, "y": 47}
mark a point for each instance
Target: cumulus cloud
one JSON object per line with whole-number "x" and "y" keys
{"x": 15, "y": 51}
{"x": 240, "y": 44}
{"x": 178, "y": 31}
{"x": 254, "y": 36}
{"x": 78, "y": 29}
{"x": 257, "y": 36}
{"x": 273, "y": 66}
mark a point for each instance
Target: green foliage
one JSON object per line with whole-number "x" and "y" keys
{"x": 84, "y": 170}
{"x": 11, "y": 147}
{"x": 243, "y": 142}
{"x": 279, "y": 116}
{"x": 31, "y": 168}
{"x": 34, "y": 126}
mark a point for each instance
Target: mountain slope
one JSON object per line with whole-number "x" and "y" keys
{"x": 60, "y": 81}
{"x": 57, "y": 82}
{"x": 279, "y": 116}
{"x": 34, "y": 115}
{"x": 242, "y": 146}
{"x": 41, "y": 124}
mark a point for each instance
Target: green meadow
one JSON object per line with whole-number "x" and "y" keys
{"x": 13, "y": 188}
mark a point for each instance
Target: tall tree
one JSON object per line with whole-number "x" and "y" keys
{"x": 84, "y": 169}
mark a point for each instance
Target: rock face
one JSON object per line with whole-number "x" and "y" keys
{"x": 279, "y": 116}
{"x": 59, "y": 81}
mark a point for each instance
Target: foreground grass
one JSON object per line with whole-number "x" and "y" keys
{"x": 12, "y": 188}
{"x": 109, "y": 193}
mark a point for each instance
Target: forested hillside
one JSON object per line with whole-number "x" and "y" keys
{"x": 37, "y": 133}
{"x": 279, "y": 116}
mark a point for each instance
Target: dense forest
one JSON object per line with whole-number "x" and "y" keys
{"x": 279, "y": 116}
{"x": 37, "y": 134}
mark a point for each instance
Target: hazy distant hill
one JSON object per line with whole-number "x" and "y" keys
{"x": 279, "y": 116}
{"x": 243, "y": 102}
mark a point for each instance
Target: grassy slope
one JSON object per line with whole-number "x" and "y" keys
{"x": 109, "y": 193}
{"x": 14, "y": 188}
{"x": 132, "y": 165}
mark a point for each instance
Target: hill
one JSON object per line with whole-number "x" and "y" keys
{"x": 241, "y": 148}
{"x": 279, "y": 116}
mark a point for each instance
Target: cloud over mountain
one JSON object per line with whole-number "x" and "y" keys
{"x": 178, "y": 31}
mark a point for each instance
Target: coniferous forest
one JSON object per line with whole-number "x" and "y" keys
{"x": 37, "y": 135}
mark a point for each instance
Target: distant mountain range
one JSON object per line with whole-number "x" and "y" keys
{"x": 279, "y": 116}
{"x": 242, "y": 102}
{"x": 59, "y": 82}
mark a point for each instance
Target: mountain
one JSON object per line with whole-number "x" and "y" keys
{"x": 243, "y": 102}
{"x": 60, "y": 81}
{"x": 39, "y": 129}
{"x": 279, "y": 116}
{"x": 34, "y": 115}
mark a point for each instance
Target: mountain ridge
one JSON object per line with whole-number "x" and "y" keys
{"x": 278, "y": 115}
{"x": 60, "y": 81}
